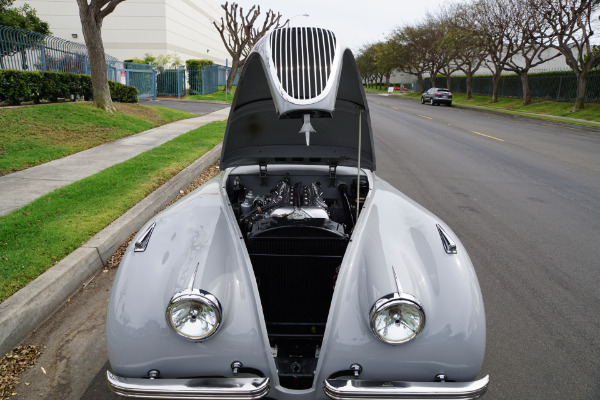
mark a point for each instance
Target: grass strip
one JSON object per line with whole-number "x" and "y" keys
{"x": 37, "y": 236}
{"x": 219, "y": 95}
{"x": 34, "y": 135}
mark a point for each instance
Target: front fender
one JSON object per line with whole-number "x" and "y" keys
{"x": 396, "y": 248}
{"x": 195, "y": 236}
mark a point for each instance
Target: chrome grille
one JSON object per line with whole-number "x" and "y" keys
{"x": 303, "y": 59}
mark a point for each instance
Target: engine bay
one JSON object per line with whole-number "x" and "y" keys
{"x": 298, "y": 201}
{"x": 296, "y": 226}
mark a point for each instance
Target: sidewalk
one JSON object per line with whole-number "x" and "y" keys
{"x": 25, "y": 310}
{"x": 21, "y": 188}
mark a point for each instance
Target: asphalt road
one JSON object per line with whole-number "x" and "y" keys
{"x": 524, "y": 198}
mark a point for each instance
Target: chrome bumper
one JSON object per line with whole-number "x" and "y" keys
{"x": 195, "y": 388}
{"x": 340, "y": 389}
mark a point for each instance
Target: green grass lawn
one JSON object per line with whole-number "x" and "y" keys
{"x": 216, "y": 96}
{"x": 37, "y": 236}
{"x": 34, "y": 135}
{"x": 591, "y": 112}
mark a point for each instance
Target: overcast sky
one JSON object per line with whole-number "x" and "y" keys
{"x": 354, "y": 22}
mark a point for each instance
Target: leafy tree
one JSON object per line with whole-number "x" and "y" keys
{"x": 92, "y": 14}
{"x": 411, "y": 46}
{"x": 385, "y": 60}
{"x": 22, "y": 18}
{"x": 368, "y": 62}
{"x": 240, "y": 32}
{"x": 162, "y": 61}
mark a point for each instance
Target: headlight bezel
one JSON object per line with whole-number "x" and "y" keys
{"x": 391, "y": 300}
{"x": 195, "y": 295}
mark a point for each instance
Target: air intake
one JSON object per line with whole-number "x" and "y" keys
{"x": 303, "y": 59}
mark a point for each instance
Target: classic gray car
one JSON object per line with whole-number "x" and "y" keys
{"x": 297, "y": 272}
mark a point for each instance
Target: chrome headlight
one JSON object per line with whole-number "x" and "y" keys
{"x": 194, "y": 314}
{"x": 397, "y": 318}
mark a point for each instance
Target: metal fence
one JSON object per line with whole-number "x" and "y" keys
{"x": 551, "y": 85}
{"x": 181, "y": 81}
{"x": 30, "y": 51}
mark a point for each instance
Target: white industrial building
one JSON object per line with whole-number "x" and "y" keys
{"x": 137, "y": 27}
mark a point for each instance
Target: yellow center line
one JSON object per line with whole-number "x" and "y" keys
{"x": 491, "y": 137}
{"x": 395, "y": 108}
{"x": 424, "y": 116}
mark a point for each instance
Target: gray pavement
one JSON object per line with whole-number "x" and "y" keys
{"x": 191, "y": 106}
{"x": 29, "y": 307}
{"x": 23, "y": 187}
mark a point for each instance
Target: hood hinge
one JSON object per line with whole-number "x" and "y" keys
{"x": 263, "y": 174}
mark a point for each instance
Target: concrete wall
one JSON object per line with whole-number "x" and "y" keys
{"x": 137, "y": 27}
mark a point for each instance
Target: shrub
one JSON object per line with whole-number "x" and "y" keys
{"x": 19, "y": 86}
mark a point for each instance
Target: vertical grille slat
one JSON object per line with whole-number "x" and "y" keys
{"x": 303, "y": 59}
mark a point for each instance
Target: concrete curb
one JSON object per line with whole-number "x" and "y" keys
{"x": 29, "y": 307}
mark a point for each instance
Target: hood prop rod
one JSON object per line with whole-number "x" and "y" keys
{"x": 358, "y": 172}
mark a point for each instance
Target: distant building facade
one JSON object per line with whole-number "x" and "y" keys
{"x": 137, "y": 27}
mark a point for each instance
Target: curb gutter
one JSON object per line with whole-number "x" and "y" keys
{"x": 25, "y": 310}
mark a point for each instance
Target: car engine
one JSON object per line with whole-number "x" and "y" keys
{"x": 291, "y": 205}
{"x": 296, "y": 234}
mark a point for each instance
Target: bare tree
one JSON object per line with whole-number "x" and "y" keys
{"x": 497, "y": 24}
{"x": 239, "y": 33}
{"x": 92, "y": 14}
{"x": 531, "y": 43}
{"x": 468, "y": 50}
{"x": 570, "y": 28}
{"x": 446, "y": 46}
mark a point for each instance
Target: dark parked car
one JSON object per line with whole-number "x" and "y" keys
{"x": 437, "y": 96}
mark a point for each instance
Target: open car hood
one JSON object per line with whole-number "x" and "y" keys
{"x": 299, "y": 80}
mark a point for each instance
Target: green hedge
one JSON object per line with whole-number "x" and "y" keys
{"x": 19, "y": 86}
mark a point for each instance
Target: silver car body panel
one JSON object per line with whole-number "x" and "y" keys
{"x": 395, "y": 247}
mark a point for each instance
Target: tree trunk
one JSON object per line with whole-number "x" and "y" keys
{"x": 448, "y": 82}
{"x": 420, "y": 80}
{"x": 469, "y": 91}
{"x": 235, "y": 66}
{"x": 495, "y": 80}
{"x": 93, "y": 40}
{"x": 580, "y": 97}
{"x": 387, "y": 80}
{"x": 526, "y": 90}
